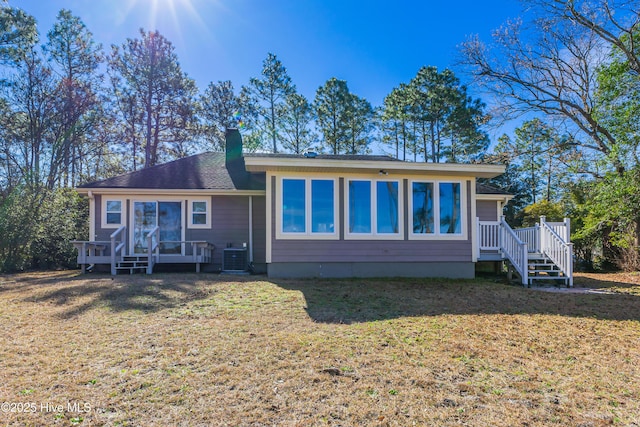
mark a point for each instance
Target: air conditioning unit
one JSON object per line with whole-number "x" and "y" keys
{"x": 234, "y": 260}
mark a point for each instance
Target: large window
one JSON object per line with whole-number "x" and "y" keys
{"x": 437, "y": 209}
{"x": 112, "y": 216}
{"x": 308, "y": 208}
{"x": 373, "y": 209}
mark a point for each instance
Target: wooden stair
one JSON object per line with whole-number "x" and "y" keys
{"x": 542, "y": 270}
{"x": 132, "y": 264}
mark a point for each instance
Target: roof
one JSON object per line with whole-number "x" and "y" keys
{"x": 206, "y": 171}
{"x": 365, "y": 164}
{"x": 350, "y": 157}
{"x": 482, "y": 188}
{"x": 210, "y": 171}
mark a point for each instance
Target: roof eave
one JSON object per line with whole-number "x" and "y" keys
{"x": 261, "y": 164}
{"x": 164, "y": 191}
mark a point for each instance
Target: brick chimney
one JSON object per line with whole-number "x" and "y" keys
{"x": 233, "y": 145}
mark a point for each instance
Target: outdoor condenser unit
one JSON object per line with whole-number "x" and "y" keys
{"x": 234, "y": 260}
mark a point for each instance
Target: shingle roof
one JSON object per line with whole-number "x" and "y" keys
{"x": 207, "y": 171}
{"x": 489, "y": 189}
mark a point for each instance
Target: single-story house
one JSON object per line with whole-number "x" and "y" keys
{"x": 289, "y": 215}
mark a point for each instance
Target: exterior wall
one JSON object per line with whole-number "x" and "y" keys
{"x": 259, "y": 234}
{"x": 229, "y": 223}
{"x": 487, "y": 210}
{"x": 456, "y": 270}
{"x": 342, "y": 257}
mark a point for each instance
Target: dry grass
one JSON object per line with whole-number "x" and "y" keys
{"x": 205, "y": 350}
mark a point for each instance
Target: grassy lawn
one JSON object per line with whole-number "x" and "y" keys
{"x": 207, "y": 350}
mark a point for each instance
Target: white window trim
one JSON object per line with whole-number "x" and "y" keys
{"x": 103, "y": 210}
{"x": 374, "y": 235}
{"x": 156, "y": 200}
{"x": 463, "y": 235}
{"x": 308, "y": 234}
{"x": 190, "y": 213}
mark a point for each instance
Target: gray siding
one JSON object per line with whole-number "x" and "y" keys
{"x": 259, "y": 230}
{"x": 389, "y": 251}
{"x": 487, "y": 210}
{"x": 229, "y": 225}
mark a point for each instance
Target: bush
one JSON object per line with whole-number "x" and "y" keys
{"x": 37, "y": 227}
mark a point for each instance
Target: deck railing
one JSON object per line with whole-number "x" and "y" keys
{"x": 559, "y": 250}
{"x": 531, "y": 236}
{"x": 515, "y": 250}
{"x": 117, "y": 246}
{"x": 489, "y": 235}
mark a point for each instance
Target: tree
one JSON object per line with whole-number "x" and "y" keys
{"x": 77, "y": 57}
{"x": 297, "y": 135}
{"x": 269, "y": 92}
{"x": 360, "y": 125}
{"x": 17, "y": 32}
{"x": 147, "y": 77}
{"x": 331, "y": 106}
{"x": 552, "y": 69}
{"x": 220, "y": 109}
{"x": 467, "y": 140}
{"x": 30, "y": 94}
{"x": 395, "y": 120}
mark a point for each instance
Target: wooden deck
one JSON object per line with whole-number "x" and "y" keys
{"x": 542, "y": 252}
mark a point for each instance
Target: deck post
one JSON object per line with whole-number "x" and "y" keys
{"x": 476, "y": 241}
{"x": 543, "y": 220}
{"x": 570, "y": 272}
{"x": 525, "y": 264}
{"x": 83, "y": 264}
{"x": 567, "y": 230}
{"x": 113, "y": 255}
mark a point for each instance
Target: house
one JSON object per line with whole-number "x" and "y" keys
{"x": 306, "y": 215}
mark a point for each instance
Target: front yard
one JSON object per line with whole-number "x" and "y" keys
{"x": 208, "y": 350}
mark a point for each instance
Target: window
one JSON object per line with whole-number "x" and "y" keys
{"x": 373, "y": 209}
{"x": 112, "y": 216}
{"x": 450, "y": 221}
{"x": 293, "y": 206}
{"x": 437, "y": 209}
{"x": 199, "y": 215}
{"x": 308, "y": 208}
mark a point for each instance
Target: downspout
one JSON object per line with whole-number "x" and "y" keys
{"x": 250, "y": 230}
{"x": 92, "y": 216}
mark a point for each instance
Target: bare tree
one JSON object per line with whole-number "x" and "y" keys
{"x": 551, "y": 65}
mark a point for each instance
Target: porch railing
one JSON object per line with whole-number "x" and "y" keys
{"x": 489, "y": 235}
{"x": 559, "y": 250}
{"x": 153, "y": 244}
{"x": 531, "y": 236}
{"x": 117, "y": 246}
{"x": 515, "y": 250}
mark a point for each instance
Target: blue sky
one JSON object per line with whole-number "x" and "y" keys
{"x": 373, "y": 45}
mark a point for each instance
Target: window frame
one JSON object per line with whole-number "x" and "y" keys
{"x": 104, "y": 212}
{"x": 374, "y": 234}
{"x": 191, "y": 212}
{"x": 308, "y": 234}
{"x": 437, "y": 235}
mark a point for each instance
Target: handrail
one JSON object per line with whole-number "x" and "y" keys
{"x": 515, "y": 250}
{"x": 115, "y": 249}
{"x": 152, "y": 246}
{"x": 554, "y": 246}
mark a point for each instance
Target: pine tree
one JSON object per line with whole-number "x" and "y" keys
{"x": 146, "y": 74}
{"x": 269, "y": 93}
{"x": 331, "y": 106}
